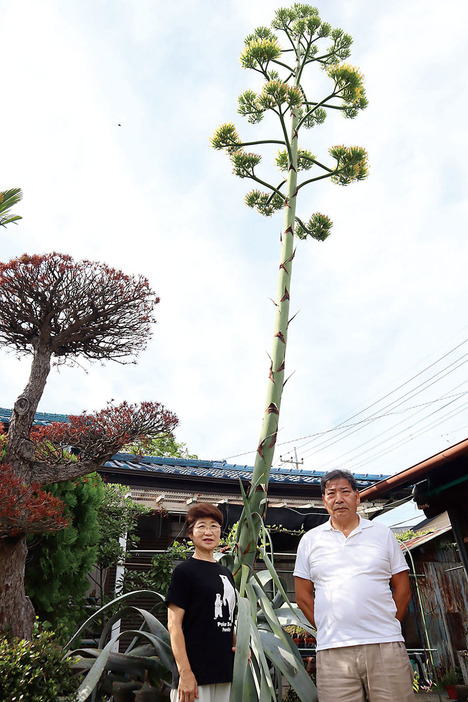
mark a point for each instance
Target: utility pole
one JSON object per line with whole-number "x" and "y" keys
{"x": 294, "y": 460}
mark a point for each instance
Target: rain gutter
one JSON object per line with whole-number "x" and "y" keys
{"x": 411, "y": 475}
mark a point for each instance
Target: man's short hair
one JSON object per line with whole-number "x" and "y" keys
{"x": 335, "y": 475}
{"x": 202, "y": 510}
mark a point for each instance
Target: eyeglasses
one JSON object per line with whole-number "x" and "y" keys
{"x": 203, "y": 527}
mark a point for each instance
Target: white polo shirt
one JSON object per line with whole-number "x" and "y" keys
{"x": 353, "y": 600}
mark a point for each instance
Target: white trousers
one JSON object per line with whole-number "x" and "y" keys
{"x": 220, "y": 692}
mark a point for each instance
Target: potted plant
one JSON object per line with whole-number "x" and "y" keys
{"x": 300, "y": 636}
{"x": 449, "y": 680}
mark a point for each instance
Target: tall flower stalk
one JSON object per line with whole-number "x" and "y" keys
{"x": 308, "y": 42}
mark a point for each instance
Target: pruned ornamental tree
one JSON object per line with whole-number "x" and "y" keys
{"x": 8, "y": 199}
{"x": 55, "y": 309}
{"x": 307, "y": 44}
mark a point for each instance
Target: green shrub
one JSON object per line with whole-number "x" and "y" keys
{"x": 33, "y": 671}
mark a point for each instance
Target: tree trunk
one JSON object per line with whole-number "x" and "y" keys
{"x": 20, "y": 453}
{"x": 16, "y": 610}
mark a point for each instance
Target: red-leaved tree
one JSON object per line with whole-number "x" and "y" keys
{"x": 53, "y": 308}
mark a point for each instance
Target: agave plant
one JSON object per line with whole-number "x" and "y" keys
{"x": 263, "y": 648}
{"x": 147, "y": 658}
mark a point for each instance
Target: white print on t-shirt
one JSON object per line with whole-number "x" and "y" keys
{"x": 218, "y": 606}
{"x": 227, "y": 599}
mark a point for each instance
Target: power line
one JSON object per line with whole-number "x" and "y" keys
{"x": 368, "y": 420}
{"x": 376, "y": 402}
{"x": 346, "y": 428}
{"x": 385, "y": 431}
{"x": 400, "y": 400}
{"x": 388, "y": 450}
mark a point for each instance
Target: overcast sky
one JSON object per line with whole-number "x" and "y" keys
{"x": 107, "y": 109}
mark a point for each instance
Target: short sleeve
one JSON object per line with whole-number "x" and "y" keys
{"x": 180, "y": 590}
{"x": 397, "y": 559}
{"x": 301, "y": 567}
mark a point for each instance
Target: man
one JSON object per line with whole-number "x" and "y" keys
{"x": 343, "y": 573}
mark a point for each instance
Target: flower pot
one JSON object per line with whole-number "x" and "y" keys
{"x": 451, "y": 692}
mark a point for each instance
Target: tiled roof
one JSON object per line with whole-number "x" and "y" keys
{"x": 39, "y": 418}
{"x": 218, "y": 470}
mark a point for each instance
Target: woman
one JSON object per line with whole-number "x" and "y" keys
{"x": 201, "y": 600}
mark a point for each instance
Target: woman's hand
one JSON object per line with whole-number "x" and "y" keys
{"x": 188, "y": 688}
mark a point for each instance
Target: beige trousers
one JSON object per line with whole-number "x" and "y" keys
{"x": 220, "y": 692}
{"x": 372, "y": 672}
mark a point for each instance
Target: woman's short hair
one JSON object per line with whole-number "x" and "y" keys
{"x": 202, "y": 510}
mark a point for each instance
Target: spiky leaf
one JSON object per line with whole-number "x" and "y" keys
{"x": 8, "y": 199}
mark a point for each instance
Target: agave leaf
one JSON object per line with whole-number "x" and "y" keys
{"x": 125, "y": 663}
{"x": 250, "y": 689}
{"x": 277, "y": 581}
{"x": 107, "y": 629}
{"x": 120, "y": 662}
{"x": 91, "y": 680}
{"x": 160, "y": 637}
{"x": 227, "y": 560}
{"x": 248, "y": 515}
{"x": 98, "y": 612}
{"x": 252, "y": 597}
{"x": 82, "y": 664}
{"x": 259, "y": 654}
{"x": 289, "y": 665}
{"x": 154, "y": 625}
{"x": 287, "y": 617}
{"x": 241, "y": 657}
{"x": 244, "y": 577}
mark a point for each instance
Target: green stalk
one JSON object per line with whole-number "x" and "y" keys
{"x": 246, "y": 552}
{"x": 299, "y": 23}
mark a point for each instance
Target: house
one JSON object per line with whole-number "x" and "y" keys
{"x": 439, "y": 484}
{"x": 439, "y": 559}
{"x": 168, "y": 486}
{"x": 438, "y": 612}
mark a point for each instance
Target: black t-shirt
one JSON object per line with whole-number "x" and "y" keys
{"x": 206, "y": 592}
